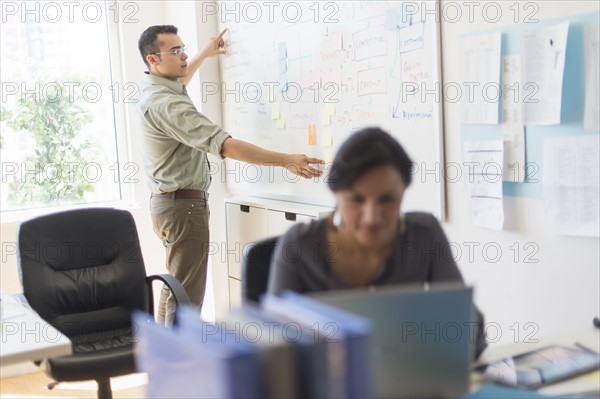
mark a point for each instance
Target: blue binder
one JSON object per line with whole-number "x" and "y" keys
{"x": 192, "y": 361}
{"x": 276, "y": 355}
{"x": 308, "y": 355}
{"x": 346, "y": 338}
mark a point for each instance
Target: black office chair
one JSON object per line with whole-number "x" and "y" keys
{"x": 255, "y": 269}
{"x": 83, "y": 272}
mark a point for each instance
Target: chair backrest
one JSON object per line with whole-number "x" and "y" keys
{"x": 83, "y": 270}
{"x": 256, "y": 265}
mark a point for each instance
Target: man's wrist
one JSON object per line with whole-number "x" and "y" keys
{"x": 286, "y": 160}
{"x": 201, "y": 58}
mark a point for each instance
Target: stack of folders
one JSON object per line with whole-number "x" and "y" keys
{"x": 291, "y": 347}
{"x": 276, "y": 354}
{"x": 345, "y": 336}
{"x": 193, "y": 361}
{"x": 293, "y": 356}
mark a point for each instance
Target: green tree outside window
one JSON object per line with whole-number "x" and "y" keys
{"x": 56, "y": 170}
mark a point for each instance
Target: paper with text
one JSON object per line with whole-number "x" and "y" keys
{"x": 543, "y": 63}
{"x": 513, "y": 169}
{"x": 512, "y": 105}
{"x": 481, "y": 78}
{"x": 484, "y": 160}
{"x": 513, "y": 131}
{"x": 571, "y": 185}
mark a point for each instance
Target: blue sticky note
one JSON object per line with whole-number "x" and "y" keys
{"x": 397, "y": 18}
{"x": 283, "y": 82}
{"x": 282, "y": 51}
{"x": 282, "y": 66}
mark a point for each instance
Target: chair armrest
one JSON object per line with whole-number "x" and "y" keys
{"x": 181, "y": 297}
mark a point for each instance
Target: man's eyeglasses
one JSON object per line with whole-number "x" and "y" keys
{"x": 178, "y": 51}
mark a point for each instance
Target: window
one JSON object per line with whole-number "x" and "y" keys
{"x": 58, "y": 124}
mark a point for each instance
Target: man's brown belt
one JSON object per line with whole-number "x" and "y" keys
{"x": 183, "y": 194}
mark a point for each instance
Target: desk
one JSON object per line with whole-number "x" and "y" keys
{"x": 26, "y": 336}
{"x": 588, "y": 337}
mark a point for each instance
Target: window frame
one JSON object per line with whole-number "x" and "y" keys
{"x": 123, "y": 151}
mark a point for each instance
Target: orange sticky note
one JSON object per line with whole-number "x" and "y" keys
{"x": 312, "y": 135}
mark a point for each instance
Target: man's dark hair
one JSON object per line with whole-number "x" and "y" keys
{"x": 148, "y": 43}
{"x": 365, "y": 150}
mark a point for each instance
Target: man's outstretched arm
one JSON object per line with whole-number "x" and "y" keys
{"x": 298, "y": 164}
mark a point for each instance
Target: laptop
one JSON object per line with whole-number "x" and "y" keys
{"x": 423, "y": 337}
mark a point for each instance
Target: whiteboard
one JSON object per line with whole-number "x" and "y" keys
{"x": 303, "y": 79}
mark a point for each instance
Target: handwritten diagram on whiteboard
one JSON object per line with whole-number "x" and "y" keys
{"x": 301, "y": 79}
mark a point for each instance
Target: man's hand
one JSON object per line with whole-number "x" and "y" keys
{"x": 214, "y": 47}
{"x": 300, "y": 164}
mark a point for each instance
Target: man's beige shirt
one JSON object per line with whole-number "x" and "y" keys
{"x": 175, "y": 137}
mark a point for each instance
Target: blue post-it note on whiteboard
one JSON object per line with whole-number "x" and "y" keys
{"x": 282, "y": 66}
{"x": 282, "y": 51}
{"x": 397, "y": 18}
{"x": 283, "y": 82}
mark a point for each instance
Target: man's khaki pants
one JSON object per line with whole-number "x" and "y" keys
{"x": 182, "y": 225}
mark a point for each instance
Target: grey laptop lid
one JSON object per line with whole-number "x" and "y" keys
{"x": 422, "y": 339}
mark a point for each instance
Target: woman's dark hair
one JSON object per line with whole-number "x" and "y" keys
{"x": 364, "y": 150}
{"x": 148, "y": 43}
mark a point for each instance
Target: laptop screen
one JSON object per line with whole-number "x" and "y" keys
{"x": 422, "y": 339}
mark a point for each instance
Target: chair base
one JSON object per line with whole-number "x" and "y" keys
{"x": 104, "y": 388}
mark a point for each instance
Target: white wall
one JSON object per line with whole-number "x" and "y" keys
{"x": 132, "y": 68}
{"x": 562, "y": 290}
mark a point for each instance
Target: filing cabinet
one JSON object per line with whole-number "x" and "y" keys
{"x": 249, "y": 220}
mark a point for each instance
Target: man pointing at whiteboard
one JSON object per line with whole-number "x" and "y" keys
{"x": 175, "y": 139}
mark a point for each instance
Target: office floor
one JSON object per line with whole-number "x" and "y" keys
{"x": 34, "y": 386}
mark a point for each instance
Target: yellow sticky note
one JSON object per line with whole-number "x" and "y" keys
{"x": 326, "y": 137}
{"x": 328, "y": 155}
{"x": 275, "y": 114}
{"x": 337, "y": 41}
{"x": 281, "y": 121}
{"x": 312, "y": 135}
{"x": 329, "y": 108}
{"x": 325, "y": 119}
